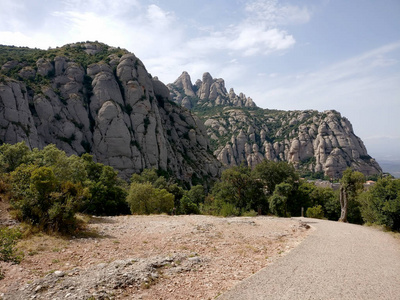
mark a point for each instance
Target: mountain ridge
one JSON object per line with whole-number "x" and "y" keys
{"x": 318, "y": 142}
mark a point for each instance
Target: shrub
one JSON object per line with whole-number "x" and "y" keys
{"x": 8, "y": 239}
{"x": 187, "y": 206}
{"x": 107, "y": 191}
{"x": 381, "y": 203}
{"x": 229, "y": 209}
{"x": 315, "y": 212}
{"x": 250, "y": 213}
{"x": 196, "y": 194}
{"x": 41, "y": 200}
{"x": 143, "y": 198}
{"x": 11, "y": 156}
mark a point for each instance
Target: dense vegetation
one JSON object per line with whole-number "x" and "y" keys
{"x": 46, "y": 188}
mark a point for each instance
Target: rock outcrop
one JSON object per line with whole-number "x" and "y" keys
{"x": 112, "y": 108}
{"x": 208, "y": 92}
{"x": 316, "y": 142}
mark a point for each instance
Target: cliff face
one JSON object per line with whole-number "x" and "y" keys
{"x": 318, "y": 142}
{"x": 112, "y": 108}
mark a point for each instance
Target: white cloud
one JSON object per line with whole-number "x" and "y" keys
{"x": 273, "y": 13}
{"x": 255, "y": 34}
{"x": 152, "y": 33}
{"x": 257, "y": 40}
{"x": 108, "y": 7}
{"x": 364, "y": 88}
{"x": 349, "y": 77}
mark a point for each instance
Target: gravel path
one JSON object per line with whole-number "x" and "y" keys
{"x": 337, "y": 261}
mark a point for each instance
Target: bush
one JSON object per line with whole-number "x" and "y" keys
{"x": 229, "y": 210}
{"x": 143, "y": 198}
{"x": 381, "y": 203}
{"x": 315, "y": 212}
{"x": 108, "y": 196}
{"x": 11, "y": 156}
{"x": 187, "y": 206}
{"x": 41, "y": 200}
{"x": 8, "y": 239}
{"x": 250, "y": 213}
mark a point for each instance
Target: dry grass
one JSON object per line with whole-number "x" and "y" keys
{"x": 39, "y": 243}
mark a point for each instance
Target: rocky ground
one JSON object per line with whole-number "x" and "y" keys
{"x": 149, "y": 257}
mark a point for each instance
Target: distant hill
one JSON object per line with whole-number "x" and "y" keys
{"x": 390, "y": 166}
{"x": 318, "y": 143}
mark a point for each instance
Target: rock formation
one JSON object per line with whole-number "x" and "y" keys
{"x": 111, "y": 108}
{"x": 207, "y": 92}
{"x": 89, "y": 97}
{"x": 316, "y": 142}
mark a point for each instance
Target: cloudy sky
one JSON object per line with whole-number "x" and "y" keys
{"x": 285, "y": 54}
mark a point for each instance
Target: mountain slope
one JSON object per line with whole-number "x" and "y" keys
{"x": 322, "y": 143}
{"x": 89, "y": 97}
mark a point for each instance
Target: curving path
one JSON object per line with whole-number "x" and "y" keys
{"x": 337, "y": 261}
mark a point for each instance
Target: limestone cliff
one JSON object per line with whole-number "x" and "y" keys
{"x": 316, "y": 142}
{"x": 89, "y": 97}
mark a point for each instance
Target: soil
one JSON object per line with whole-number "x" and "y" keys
{"x": 149, "y": 257}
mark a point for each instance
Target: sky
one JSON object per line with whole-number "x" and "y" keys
{"x": 284, "y": 54}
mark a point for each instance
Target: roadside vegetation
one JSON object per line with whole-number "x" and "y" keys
{"x": 46, "y": 188}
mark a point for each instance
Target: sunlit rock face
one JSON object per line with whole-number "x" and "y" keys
{"x": 313, "y": 141}
{"x": 112, "y": 108}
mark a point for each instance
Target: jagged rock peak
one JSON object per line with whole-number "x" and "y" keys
{"x": 184, "y": 82}
{"x": 207, "y": 92}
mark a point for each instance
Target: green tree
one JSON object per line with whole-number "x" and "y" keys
{"x": 310, "y": 195}
{"x": 381, "y": 203}
{"x": 278, "y": 202}
{"x": 196, "y": 194}
{"x": 191, "y": 200}
{"x": 178, "y": 193}
{"x": 351, "y": 185}
{"x": 108, "y": 194}
{"x": 163, "y": 201}
{"x": 143, "y": 198}
{"x": 41, "y": 200}
{"x": 187, "y": 206}
{"x": 160, "y": 182}
{"x": 65, "y": 168}
{"x": 11, "y": 156}
{"x": 239, "y": 188}
{"x": 273, "y": 173}
{"x": 147, "y": 175}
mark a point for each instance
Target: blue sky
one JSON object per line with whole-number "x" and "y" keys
{"x": 309, "y": 54}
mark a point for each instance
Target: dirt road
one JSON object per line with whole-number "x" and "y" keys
{"x": 149, "y": 257}
{"x": 337, "y": 261}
